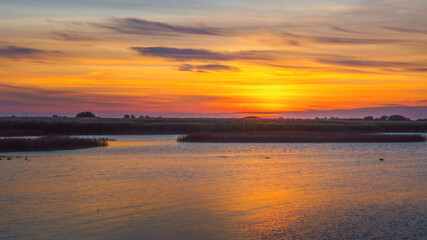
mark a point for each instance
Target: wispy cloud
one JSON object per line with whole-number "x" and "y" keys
{"x": 206, "y": 68}
{"x": 28, "y": 99}
{"x": 145, "y": 27}
{"x": 418, "y": 69}
{"x": 363, "y": 63}
{"x": 348, "y": 40}
{"x": 70, "y": 36}
{"x": 187, "y": 54}
{"x": 19, "y": 52}
{"x": 330, "y": 38}
{"x": 340, "y": 29}
{"x": 407, "y": 30}
{"x": 28, "y": 96}
{"x": 15, "y": 52}
{"x": 182, "y": 54}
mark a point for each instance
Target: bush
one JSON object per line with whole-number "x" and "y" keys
{"x": 397, "y": 118}
{"x": 86, "y": 114}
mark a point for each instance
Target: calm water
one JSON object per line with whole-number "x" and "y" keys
{"x": 151, "y": 187}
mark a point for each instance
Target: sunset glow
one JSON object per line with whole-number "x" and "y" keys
{"x": 211, "y": 58}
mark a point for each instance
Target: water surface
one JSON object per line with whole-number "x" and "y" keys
{"x": 151, "y": 187}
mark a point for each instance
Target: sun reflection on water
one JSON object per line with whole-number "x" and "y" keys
{"x": 152, "y": 187}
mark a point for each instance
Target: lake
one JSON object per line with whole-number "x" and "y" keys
{"x": 152, "y": 187}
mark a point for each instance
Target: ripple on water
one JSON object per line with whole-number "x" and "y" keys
{"x": 152, "y": 187}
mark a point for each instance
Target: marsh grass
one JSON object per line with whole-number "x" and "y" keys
{"x": 39, "y": 126}
{"x": 49, "y": 143}
{"x": 298, "y": 137}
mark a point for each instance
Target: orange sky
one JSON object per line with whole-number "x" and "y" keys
{"x": 210, "y": 58}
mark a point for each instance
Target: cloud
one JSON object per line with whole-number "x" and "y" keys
{"x": 27, "y": 96}
{"x": 206, "y": 68}
{"x": 19, "y": 52}
{"x": 407, "y": 30}
{"x": 24, "y": 100}
{"x": 418, "y": 69}
{"x": 296, "y": 39}
{"x": 362, "y": 63}
{"x": 70, "y": 36}
{"x": 347, "y": 40}
{"x": 182, "y": 54}
{"x": 144, "y": 27}
{"x": 15, "y": 52}
{"x": 344, "y": 30}
{"x": 188, "y": 54}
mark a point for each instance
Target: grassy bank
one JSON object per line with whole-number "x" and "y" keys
{"x": 33, "y": 126}
{"x": 49, "y": 143}
{"x": 298, "y": 137}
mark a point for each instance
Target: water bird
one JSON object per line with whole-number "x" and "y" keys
{"x": 9, "y": 159}
{"x": 381, "y": 159}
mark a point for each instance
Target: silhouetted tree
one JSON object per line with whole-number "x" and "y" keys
{"x": 85, "y": 114}
{"x": 383, "y": 118}
{"x": 368, "y": 118}
{"x": 127, "y": 116}
{"x": 132, "y": 116}
{"x": 397, "y": 118}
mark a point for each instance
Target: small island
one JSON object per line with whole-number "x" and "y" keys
{"x": 49, "y": 143}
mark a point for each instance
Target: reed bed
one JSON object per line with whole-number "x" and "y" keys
{"x": 298, "y": 137}
{"x": 49, "y": 143}
{"x": 38, "y": 126}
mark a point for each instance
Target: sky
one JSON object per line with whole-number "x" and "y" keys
{"x": 205, "y": 58}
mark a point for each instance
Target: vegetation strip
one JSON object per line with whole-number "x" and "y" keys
{"x": 298, "y": 137}
{"x": 49, "y": 143}
{"x": 39, "y": 126}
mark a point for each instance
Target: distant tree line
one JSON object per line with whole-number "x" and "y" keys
{"x": 92, "y": 115}
{"x": 387, "y": 118}
{"x": 371, "y": 118}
